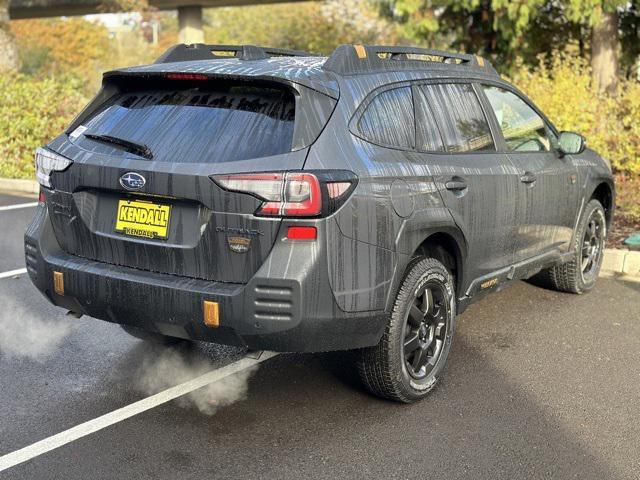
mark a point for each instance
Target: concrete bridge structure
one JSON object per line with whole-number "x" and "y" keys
{"x": 189, "y": 11}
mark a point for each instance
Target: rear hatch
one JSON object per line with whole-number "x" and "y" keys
{"x": 139, "y": 192}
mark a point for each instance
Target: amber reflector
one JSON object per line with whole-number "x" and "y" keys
{"x": 211, "y": 314}
{"x": 58, "y": 283}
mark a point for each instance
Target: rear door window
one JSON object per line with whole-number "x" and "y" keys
{"x": 459, "y": 116}
{"x": 389, "y": 120}
{"x": 207, "y": 125}
{"x": 428, "y": 138}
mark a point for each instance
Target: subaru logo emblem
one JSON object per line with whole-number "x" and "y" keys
{"x": 132, "y": 181}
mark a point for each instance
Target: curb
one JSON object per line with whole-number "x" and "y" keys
{"x": 624, "y": 264}
{"x": 19, "y": 185}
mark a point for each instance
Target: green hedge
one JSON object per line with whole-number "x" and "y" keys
{"x": 32, "y": 112}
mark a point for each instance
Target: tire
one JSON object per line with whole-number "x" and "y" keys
{"x": 152, "y": 337}
{"x": 390, "y": 371}
{"x": 580, "y": 274}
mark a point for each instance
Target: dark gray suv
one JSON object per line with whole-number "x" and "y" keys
{"x": 277, "y": 200}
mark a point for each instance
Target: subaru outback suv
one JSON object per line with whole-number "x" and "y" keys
{"x": 276, "y": 200}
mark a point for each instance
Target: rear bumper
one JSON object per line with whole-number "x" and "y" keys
{"x": 287, "y": 306}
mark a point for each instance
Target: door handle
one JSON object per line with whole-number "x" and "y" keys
{"x": 528, "y": 177}
{"x": 455, "y": 185}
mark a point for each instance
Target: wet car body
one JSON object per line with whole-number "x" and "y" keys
{"x": 491, "y": 214}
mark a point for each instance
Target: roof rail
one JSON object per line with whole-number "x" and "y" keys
{"x": 200, "y": 51}
{"x": 355, "y": 59}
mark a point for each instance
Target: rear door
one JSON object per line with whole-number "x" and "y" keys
{"x": 476, "y": 182}
{"x": 548, "y": 190}
{"x": 139, "y": 193}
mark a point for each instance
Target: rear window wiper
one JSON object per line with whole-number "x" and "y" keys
{"x": 131, "y": 147}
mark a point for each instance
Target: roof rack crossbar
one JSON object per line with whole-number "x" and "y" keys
{"x": 354, "y": 59}
{"x": 201, "y": 51}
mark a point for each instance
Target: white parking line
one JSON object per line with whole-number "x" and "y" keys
{"x": 18, "y": 205}
{"x": 43, "y": 446}
{"x": 13, "y": 273}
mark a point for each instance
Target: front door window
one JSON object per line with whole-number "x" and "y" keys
{"x": 523, "y": 129}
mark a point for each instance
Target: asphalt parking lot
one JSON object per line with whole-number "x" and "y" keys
{"x": 539, "y": 385}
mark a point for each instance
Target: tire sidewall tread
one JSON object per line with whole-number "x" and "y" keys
{"x": 568, "y": 277}
{"x": 382, "y": 367}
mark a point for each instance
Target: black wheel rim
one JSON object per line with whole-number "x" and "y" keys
{"x": 592, "y": 245}
{"x": 425, "y": 330}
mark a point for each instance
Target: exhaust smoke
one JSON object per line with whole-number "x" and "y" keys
{"x": 25, "y": 332}
{"x": 165, "y": 367}
{"x": 28, "y": 332}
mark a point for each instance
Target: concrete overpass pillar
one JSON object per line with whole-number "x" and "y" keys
{"x": 190, "y": 25}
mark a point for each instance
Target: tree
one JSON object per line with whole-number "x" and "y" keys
{"x": 604, "y": 52}
{"x": 8, "y": 51}
{"x": 601, "y": 16}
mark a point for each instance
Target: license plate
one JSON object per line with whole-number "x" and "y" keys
{"x": 143, "y": 219}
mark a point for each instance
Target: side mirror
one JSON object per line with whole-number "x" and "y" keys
{"x": 571, "y": 143}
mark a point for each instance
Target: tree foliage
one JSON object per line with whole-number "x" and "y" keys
{"x": 61, "y": 45}
{"x": 506, "y": 30}
{"x": 80, "y": 47}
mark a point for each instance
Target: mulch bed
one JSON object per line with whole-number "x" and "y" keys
{"x": 622, "y": 228}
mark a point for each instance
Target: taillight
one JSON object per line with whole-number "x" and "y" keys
{"x": 48, "y": 162}
{"x": 337, "y": 189}
{"x": 291, "y": 194}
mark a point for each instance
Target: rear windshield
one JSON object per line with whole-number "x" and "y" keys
{"x": 211, "y": 125}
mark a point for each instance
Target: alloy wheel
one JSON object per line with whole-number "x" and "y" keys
{"x": 425, "y": 330}
{"x": 592, "y": 245}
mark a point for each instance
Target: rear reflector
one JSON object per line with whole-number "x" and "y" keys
{"x": 302, "y": 233}
{"x": 211, "y": 314}
{"x": 41, "y": 197}
{"x": 58, "y": 283}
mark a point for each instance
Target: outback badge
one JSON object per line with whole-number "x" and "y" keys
{"x": 239, "y": 244}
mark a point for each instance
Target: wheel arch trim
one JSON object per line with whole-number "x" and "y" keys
{"x": 449, "y": 239}
{"x": 603, "y": 190}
